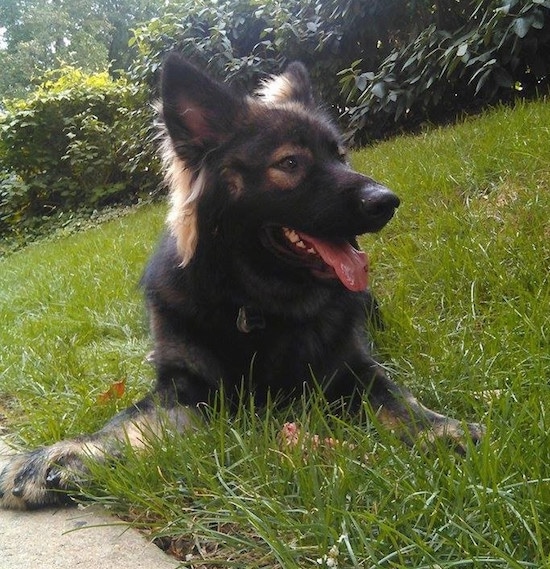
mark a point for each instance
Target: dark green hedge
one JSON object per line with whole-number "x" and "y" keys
{"x": 501, "y": 52}
{"x": 382, "y": 65}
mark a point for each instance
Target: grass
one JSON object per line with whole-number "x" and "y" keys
{"x": 462, "y": 274}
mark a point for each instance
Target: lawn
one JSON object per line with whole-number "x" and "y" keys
{"x": 463, "y": 277}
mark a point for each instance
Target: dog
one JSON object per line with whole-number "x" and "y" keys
{"x": 259, "y": 281}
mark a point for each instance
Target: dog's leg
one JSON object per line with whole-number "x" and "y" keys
{"x": 43, "y": 476}
{"x": 398, "y": 410}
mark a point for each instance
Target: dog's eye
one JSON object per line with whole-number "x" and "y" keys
{"x": 289, "y": 163}
{"x": 341, "y": 153}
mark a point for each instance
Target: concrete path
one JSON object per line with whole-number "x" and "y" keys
{"x": 70, "y": 538}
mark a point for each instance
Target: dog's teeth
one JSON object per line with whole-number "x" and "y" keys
{"x": 291, "y": 235}
{"x": 294, "y": 238}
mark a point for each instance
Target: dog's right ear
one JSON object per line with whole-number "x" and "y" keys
{"x": 198, "y": 112}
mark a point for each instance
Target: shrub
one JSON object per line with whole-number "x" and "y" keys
{"x": 79, "y": 141}
{"x": 500, "y": 52}
{"x": 241, "y": 40}
{"x": 232, "y": 39}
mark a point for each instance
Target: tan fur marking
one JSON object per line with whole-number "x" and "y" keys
{"x": 276, "y": 89}
{"x": 35, "y": 491}
{"x": 281, "y": 180}
{"x": 185, "y": 187}
{"x": 258, "y": 104}
{"x": 182, "y": 216}
{"x": 234, "y": 181}
{"x": 143, "y": 429}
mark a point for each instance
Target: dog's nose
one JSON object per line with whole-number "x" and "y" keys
{"x": 376, "y": 197}
{"x": 378, "y": 204}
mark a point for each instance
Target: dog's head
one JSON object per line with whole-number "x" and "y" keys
{"x": 270, "y": 170}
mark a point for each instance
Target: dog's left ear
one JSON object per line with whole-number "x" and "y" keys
{"x": 293, "y": 85}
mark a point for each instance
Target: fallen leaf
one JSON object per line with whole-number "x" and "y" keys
{"x": 115, "y": 391}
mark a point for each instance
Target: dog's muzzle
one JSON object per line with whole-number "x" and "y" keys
{"x": 325, "y": 244}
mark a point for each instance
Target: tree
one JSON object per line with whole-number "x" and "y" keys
{"x": 494, "y": 51}
{"x": 92, "y": 35}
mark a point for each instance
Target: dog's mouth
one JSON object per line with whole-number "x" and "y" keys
{"x": 335, "y": 259}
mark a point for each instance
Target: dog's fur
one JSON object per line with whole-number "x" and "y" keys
{"x": 258, "y": 282}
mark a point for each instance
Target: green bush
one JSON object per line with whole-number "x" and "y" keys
{"x": 240, "y": 40}
{"x": 499, "y": 53}
{"x": 13, "y": 197}
{"x": 231, "y": 39}
{"x": 80, "y": 141}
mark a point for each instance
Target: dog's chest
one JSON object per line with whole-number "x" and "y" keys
{"x": 275, "y": 352}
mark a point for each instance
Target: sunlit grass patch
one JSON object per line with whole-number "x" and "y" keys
{"x": 73, "y": 323}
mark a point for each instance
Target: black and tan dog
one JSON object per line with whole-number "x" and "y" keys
{"x": 259, "y": 279}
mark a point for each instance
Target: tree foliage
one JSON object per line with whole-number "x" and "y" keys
{"x": 241, "y": 39}
{"x": 39, "y": 36}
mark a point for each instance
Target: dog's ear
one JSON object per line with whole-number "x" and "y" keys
{"x": 198, "y": 112}
{"x": 293, "y": 85}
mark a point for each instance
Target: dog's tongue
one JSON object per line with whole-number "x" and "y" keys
{"x": 350, "y": 265}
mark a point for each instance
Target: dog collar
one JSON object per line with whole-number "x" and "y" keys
{"x": 250, "y": 318}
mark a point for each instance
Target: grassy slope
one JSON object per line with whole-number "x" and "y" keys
{"x": 462, "y": 273}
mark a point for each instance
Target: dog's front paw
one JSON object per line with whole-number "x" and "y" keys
{"x": 42, "y": 477}
{"x": 458, "y": 435}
